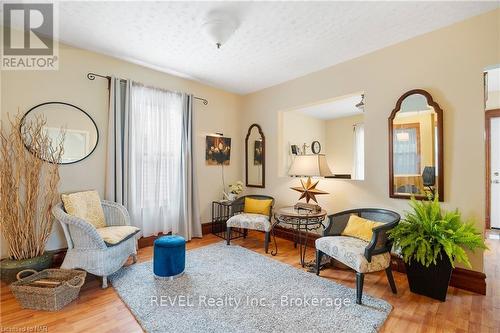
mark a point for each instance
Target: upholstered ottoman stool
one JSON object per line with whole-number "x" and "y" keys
{"x": 169, "y": 257}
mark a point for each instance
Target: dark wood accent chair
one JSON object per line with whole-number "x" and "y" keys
{"x": 239, "y": 219}
{"x": 364, "y": 257}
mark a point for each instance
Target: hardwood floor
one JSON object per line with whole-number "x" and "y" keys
{"x": 99, "y": 310}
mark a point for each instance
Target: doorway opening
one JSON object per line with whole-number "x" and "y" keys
{"x": 492, "y": 128}
{"x": 333, "y": 129}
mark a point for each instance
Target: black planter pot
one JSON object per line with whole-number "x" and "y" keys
{"x": 9, "y": 267}
{"x": 430, "y": 281}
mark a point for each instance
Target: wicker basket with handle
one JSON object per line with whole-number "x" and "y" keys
{"x": 49, "y": 290}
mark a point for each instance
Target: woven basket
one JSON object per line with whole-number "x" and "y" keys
{"x": 46, "y": 297}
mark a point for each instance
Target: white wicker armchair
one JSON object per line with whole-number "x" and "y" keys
{"x": 87, "y": 250}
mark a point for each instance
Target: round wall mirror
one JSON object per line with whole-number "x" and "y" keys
{"x": 81, "y": 133}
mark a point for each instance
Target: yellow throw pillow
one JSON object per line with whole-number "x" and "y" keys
{"x": 359, "y": 227}
{"x": 85, "y": 205}
{"x": 257, "y": 206}
{"x": 114, "y": 235}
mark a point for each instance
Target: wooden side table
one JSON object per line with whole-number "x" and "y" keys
{"x": 302, "y": 222}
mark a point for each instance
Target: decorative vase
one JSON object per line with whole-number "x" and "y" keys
{"x": 232, "y": 196}
{"x": 430, "y": 281}
{"x": 9, "y": 267}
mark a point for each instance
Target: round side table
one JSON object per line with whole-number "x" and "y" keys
{"x": 301, "y": 221}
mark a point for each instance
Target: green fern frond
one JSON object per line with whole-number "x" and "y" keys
{"x": 427, "y": 232}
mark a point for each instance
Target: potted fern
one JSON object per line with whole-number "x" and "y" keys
{"x": 431, "y": 242}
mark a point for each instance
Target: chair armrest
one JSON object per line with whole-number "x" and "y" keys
{"x": 380, "y": 242}
{"x": 82, "y": 234}
{"x": 115, "y": 214}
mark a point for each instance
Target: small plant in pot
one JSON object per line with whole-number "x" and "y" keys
{"x": 431, "y": 242}
{"x": 29, "y": 180}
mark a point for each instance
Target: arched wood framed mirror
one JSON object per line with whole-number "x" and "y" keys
{"x": 255, "y": 157}
{"x": 416, "y": 147}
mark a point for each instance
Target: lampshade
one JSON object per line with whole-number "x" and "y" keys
{"x": 310, "y": 166}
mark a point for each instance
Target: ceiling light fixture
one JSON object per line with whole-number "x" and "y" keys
{"x": 218, "y": 27}
{"x": 361, "y": 104}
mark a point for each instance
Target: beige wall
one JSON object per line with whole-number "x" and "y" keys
{"x": 448, "y": 63}
{"x": 297, "y": 129}
{"x": 340, "y": 144}
{"x": 24, "y": 89}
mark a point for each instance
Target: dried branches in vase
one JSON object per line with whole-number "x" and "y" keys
{"x": 29, "y": 173}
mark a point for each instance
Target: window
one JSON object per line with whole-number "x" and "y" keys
{"x": 155, "y": 142}
{"x": 407, "y": 149}
{"x": 359, "y": 151}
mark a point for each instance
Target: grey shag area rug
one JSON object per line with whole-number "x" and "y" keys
{"x": 232, "y": 289}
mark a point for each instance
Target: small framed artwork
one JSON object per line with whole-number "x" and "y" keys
{"x": 218, "y": 150}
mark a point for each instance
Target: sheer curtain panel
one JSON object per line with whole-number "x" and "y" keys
{"x": 359, "y": 152}
{"x": 155, "y": 148}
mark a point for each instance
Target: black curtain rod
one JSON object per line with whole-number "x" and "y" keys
{"x": 92, "y": 76}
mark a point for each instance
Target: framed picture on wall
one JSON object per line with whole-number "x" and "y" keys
{"x": 218, "y": 150}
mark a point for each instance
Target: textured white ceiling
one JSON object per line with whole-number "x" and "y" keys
{"x": 275, "y": 41}
{"x": 337, "y": 108}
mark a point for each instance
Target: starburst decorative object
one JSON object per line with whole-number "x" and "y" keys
{"x": 309, "y": 166}
{"x": 308, "y": 190}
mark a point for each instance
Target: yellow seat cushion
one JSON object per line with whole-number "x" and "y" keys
{"x": 360, "y": 228}
{"x": 114, "y": 235}
{"x": 85, "y": 205}
{"x": 258, "y": 206}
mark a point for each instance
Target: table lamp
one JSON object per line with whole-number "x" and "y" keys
{"x": 309, "y": 166}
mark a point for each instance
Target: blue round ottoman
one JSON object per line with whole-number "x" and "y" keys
{"x": 169, "y": 257}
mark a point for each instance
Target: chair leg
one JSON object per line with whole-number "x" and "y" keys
{"x": 319, "y": 255}
{"x": 245, "y": 233}
{"x": 228, "y": 235}
{"x": 104, "y": 282}
{"x": 360, "y": 277}
{"x": 388, "y": 272}
{"x": 266, "y": 244}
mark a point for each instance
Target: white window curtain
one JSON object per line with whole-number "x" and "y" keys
{"x": 359, "y": 151}
{"x": 150, "y": 166}
{"x": 406, "y": 157}
{"x": 155, "y": 159}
